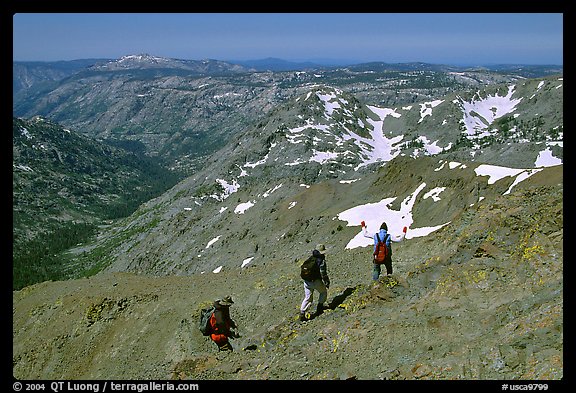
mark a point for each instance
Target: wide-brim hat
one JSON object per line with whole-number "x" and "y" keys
{"x": 321, "y": 248}
{"x": 227, "y": 301}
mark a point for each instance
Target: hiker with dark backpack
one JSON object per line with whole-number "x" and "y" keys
{"x": 315, "y": 275}
{"x": 382, "y": 248}
{"x": 221, "y": 324}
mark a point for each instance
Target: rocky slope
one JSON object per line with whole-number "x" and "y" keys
{"x": 63, "y": 173}
{"x": 323, "y": 133}
{"x": 481, "y": 298}
{"x": 326, "y": 140}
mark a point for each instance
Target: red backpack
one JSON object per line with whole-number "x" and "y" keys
{"x": 382, "y": 251}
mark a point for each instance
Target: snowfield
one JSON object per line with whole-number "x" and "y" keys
{"x": 376, "y": 213}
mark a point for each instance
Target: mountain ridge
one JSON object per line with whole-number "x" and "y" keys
{"x": 156, "y": 106}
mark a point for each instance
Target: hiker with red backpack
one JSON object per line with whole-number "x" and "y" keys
{"x": 382, "y": 248}
{"x": 221, "y": 324}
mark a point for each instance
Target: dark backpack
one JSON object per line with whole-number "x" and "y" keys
{"x": 310, "y": 270}
{"x": 382, "y": 251}
{"x": 204, "y": 320}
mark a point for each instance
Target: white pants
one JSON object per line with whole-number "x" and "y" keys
{"x": 309, "y": 287}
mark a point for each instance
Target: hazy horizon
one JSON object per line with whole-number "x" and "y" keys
{"x": 340, "y": 38}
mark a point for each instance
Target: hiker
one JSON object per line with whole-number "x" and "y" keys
{"x": 315, "y": 277}
{"x": 221, "y": 324}
{"x": 384, "y": 236}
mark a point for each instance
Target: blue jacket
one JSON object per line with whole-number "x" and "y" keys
{"x": 382, "y": 235}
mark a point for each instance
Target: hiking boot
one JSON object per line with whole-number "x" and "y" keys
{"x": 303, "y": 317}
{"x": 225, "y": 347}
{"x": 319, "y": 309}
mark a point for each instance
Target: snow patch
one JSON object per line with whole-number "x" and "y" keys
{"x": 480, "y": 114}
{"x": 426, "y": 108}
{"x": 246, "y": 261}
{"x": 373, "y": 214}
{"x": 213, "y": 241}
{"x": 229, "y": 189}
{"x": 242, "y": 207}
{"x": 546, "y": 159}
{"x": 433, "y": 193}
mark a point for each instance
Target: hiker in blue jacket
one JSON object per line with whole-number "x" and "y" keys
{"x": 389, "y": 239}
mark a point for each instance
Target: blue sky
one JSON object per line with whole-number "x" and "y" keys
{"x": 441, "y": 38}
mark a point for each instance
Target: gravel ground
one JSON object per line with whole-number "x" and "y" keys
{"x": 481, "y": 299}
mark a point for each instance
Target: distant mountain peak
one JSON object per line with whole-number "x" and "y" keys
{"x": 142, "y": 57}
{"x": 145, "y": 61}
